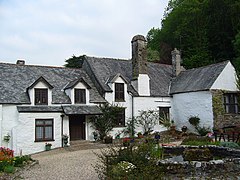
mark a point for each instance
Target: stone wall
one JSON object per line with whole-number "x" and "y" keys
{"x": 220, "y": 118}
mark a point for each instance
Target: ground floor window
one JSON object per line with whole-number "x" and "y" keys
{"x": 231, "y": 103}
{"x": 43, "y": 129}
{"x": 120, "y": 117}
{"x": 164, "y": 112}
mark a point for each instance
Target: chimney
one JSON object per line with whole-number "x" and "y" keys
{"x": 139, "y": 56}
{"x": 140, "y": 78}
{"x": 176, "y": 62}
{"x": 20, "y": 62}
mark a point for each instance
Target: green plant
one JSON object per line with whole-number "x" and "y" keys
{"x": 230, "y": 145}
{"x": 194, "y": 120}
{"x": 203, "y": 139}
{"x": 141, "y": 158}
{"x": 105, "y": 122}
{"x": 130, "y": 127}
{"x": 147, "y": 120}
{"x": 9, "y": 169}
{"x": 202, "y": 131}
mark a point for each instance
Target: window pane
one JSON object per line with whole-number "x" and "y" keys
{"x": 48, "y": 122}
{"x": 48, "y": 132}
{"x": 39, "y": 122}
{"x": 119, "y": 92}
{"x": 80, "y": 95}
{"x": 39, "y": 132}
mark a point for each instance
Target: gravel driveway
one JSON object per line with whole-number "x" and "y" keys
{"x": 61, "y": 164}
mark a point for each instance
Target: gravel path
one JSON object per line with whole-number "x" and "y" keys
{"x": 61, "y": 164}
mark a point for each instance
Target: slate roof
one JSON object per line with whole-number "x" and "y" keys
{"x": 198, "y": 79}
{"x": 105, "y": 68}
{"x": 23, "y": 109}
{"x": 15, "y": 79}
{"x": 81, "y": 109}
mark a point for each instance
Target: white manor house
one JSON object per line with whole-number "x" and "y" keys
{"x": 40, "y": 104}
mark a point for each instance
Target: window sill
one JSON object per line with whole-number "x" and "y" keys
{"x": 120, "y": 126}
{"x": 44, "y": 140}
{"x": 120, "y": 100}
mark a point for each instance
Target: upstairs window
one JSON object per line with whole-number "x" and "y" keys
{"x": 231, "y": 103}
{"x": 120, "y": 117}
{"x": 119, "y": 92}
{"x": 44, "y": 130}
{"x": 41, "y": 96}
{"x": 80, "y": 96}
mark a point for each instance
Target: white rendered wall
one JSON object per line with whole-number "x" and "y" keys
{"x": 9, "y": 121}
{"x": 150, "y": 103}
{"x": 143, "y": 85}
{"x": 227, "y": 79}
{"x": 185, "y": 105}
{"x": 1, "y": 117}
{"x": 127, "y": 104}
{"x": 25, "y": 132}
{"x": 40, "y": 85}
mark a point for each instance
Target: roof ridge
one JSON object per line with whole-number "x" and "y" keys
{"x": 47, "y": 66}
{"x": 108, "y": 58}
{"x": 202, "y": 67}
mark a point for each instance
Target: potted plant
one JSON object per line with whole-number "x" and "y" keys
{"x": 108, "y": 139}
{"x": 7, "y": 138}
{"x": 184, "y": 129}
{"x": 48, "y": 146}
{"x": 95, "y": 135}
{"x": 139, "y": 134}
{"x": 65, "y": 140}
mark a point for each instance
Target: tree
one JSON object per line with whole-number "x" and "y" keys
{"x": 147, "y": 120}
{"x": 75, "y": 62}
{"x": 204, "y": 31}
{"x": 105, "y": 122}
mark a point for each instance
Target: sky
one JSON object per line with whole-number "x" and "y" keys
{"x": 47, "y": 32}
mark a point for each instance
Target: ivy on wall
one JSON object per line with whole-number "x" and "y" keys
{"x": 217, "y": 103}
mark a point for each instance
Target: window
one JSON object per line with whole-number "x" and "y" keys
{"x": 231, "y": 103}
{"x": 80, "y": 96}
{"x": 41, "y": 96}
{"x": 119, "y": 92}
{"x": 120, "y": 117}
{"x": 43, "y": 129}
{"x": 164, "y": 112}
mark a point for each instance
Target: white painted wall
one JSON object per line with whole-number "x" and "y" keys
{"x": 1, "y": 117}
{"x": 143, "y": 85}
{"x": 25, "y": 132}
{"x": 185, "y": 105}
{"x": 9, "y": 121}
{"x": 226, "y": 80}
{"x": 40, "y": 85}
{"x": 150, "y": 103}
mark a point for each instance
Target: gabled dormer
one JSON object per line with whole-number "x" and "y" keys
{"x": 78, "y": 91}
{"x": 118, "y": 84}
{"x": 40, "y": 92}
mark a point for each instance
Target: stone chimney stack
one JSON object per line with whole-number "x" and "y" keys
{"x": 20, "y": 62}
{"x": 176, "y": 62}
{"x": 140, "y": 78}
{"x": 139, "y": 56}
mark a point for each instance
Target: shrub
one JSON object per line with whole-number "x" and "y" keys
{"x": 9, "y": 169}
{"x": 230, "y": 145}
{"x": 137, "y": 161}
{"x": 202, "y": 131}
{"x": 194, "y": 120}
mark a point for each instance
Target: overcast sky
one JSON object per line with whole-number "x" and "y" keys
{"x": 47, "y": 32}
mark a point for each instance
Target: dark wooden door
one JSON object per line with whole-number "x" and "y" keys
{"x": 77, "y": 127}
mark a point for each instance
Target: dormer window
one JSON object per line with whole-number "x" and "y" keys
{"x": 41, "y": 96}
{"x": 119, "y": 92}
{"x": 80, "y": 96}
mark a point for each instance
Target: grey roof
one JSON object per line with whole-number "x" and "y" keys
{"x": 105, "y": 68}
{"x": 81, "y": 109}
{"x": 15, "y": 79}
{"x": 23, "y": 109}
{"x": 198, "y": 79}
{"x": 74, "y": 83}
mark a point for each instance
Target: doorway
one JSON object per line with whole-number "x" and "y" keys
{"x": 77, "y": 127}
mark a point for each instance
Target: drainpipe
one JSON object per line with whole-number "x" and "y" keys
{"x": 62, "y": 116}
{"x": 132, "y": 115}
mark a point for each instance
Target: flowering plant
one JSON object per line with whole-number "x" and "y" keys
{"x": 5, "y": 153}
{"x": 48, "y": 144}
{"x": 126, "y": 166}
